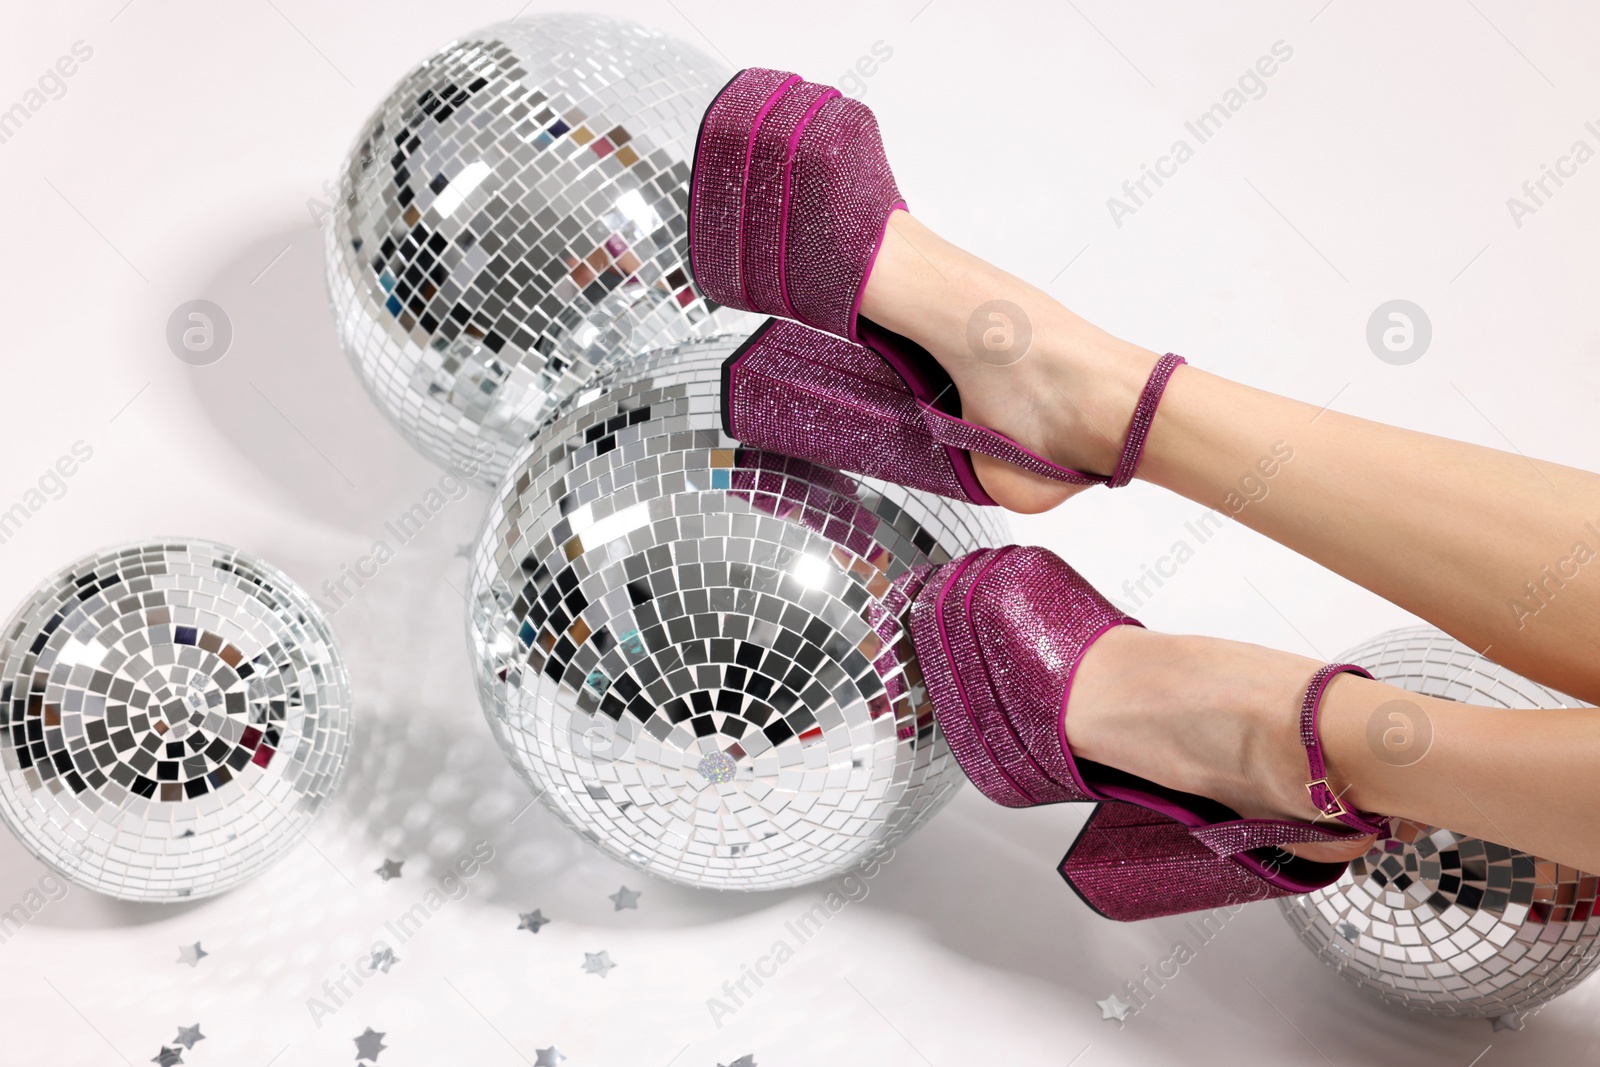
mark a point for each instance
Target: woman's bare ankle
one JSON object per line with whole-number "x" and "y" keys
{"x": 1023, "y": 364}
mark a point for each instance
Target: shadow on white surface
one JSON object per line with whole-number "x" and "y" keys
{"x": 286, "y": 398}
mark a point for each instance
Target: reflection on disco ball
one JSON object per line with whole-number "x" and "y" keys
{"x": 514, "y": 211}
{"x": 174, "y": 715}
{"x": 693, "y": 652}
{"x": 1437, "y": 921}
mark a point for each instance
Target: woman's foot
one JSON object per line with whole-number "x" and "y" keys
{"x": 1024, "y": 365}
{"x": 1206, "y": 716}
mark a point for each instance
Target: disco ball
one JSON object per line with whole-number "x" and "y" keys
{"x": 1439, "y": 922}
{"x": 175, "y": 713}
{"x": 694, "y": 652}
{"x": 515, "y": 211}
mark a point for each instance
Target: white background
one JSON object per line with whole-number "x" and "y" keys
{"x": 179, "y": 164}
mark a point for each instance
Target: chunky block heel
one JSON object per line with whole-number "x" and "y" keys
{"x": 1130, "y": 863}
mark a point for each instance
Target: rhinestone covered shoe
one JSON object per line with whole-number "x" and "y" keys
{"x": 999, "y": 635}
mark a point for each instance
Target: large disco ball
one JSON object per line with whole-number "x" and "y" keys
{"x": 694, "y": 652}
{"x": 175, "y": 713}
{"x": 514, "y": 211}
{"x": 1434, "y": 920}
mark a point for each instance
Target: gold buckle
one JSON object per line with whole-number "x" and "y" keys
{"x": 1311, "y": 787}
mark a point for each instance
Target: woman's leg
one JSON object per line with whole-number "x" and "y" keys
{"x": 1492, "y": 548}
{"x": 1220, "y": 719}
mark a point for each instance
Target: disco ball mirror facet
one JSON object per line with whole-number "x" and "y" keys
{"x": 693, "y": 652}
{"x": 174, "y": 715}
{"x": 514, "y": 212}
{"x": 1437, "y": 921}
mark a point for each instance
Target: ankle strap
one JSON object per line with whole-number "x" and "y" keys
{"x": 1323, "y": 798}
{"x": 950, "y": 430}
{"x": 1144, "y": 413}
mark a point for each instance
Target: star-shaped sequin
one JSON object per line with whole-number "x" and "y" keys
{"x": 747, "y": 1060}
{"x": 191, "y": 954}
{"x": 383, "y": 958}
{"x": 167, "y": 1057}
{"x": 597, "y": 962}
{"x": 531, "y": 920}
{"x": 625, "y": 898}
{"x": 390, "y": 869}
{"x": 188, "y": 1035}
{"x": 1509, "y": 1021}
{"x": 1113, "y": 1008}
{"x": 369, "y": 1044}
{"x": 547, "y": 1057}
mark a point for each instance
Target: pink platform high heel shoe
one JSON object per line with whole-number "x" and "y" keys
{"x": 999, "y": 634}
{"x": 803, "y": 393}
{"x": 789, "y": 201}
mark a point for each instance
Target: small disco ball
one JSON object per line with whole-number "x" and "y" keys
{"x": 515, "y": 211}
{"x": 1439, "y": 922}
{"x": 694, "y": 652}
{"x": 174, "y": 714}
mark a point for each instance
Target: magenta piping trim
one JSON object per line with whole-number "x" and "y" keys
{"x": 960, "y": 460}
{"x": 967, "y": 475}
{"x": 733, "y": 391}
{"x": 1069, "y": 475}
{"x": 995, "y": 695}
{"x": 1066, "y": 691}
{"x": 872, "y": 261}
{"x": 955, "y": 675}
{"x": 744, "y": 187}
{"x": 783, "y": 205}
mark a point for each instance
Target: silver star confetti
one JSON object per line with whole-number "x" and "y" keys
{"x": 167, "y": 1056}
{"x": 383, "y": 959}
{"x": 369, "y": 1044}
{"x": 390, "y": 869}
{"x": 1113, "y": 1008}
{"x": 191, "y": 954}
{"x": 625, "y": 898}
{"x": 1509, "y": 1021}
{"x": 531, "y": 920}
{"x": 547, "y": 1057}
{"x": 597, "y": 962}
{"x": 747, "y": 1060}
{"x": 188, "y": 1035}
